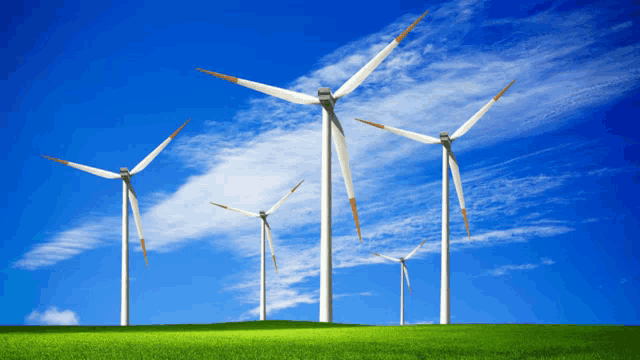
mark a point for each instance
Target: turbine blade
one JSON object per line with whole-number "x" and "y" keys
{"x": 387, "y": 257}
{"x": 237, "y": 210}
{"x": 411, "y": 135}
{"x": 143, "y": 164}
{"x": 91, "y": 170}
{"x": 343, "y": 157}
{"x": 136, "y": 215}
{"x": 292, "y": 96}
{"x": 406, "y": 275}
{"x": 414, "y": 251}
{"x": 455, "y": 172}
{"x": 273, "y": 253}
{"x": 366, "y": 70}
{"x": 472, "y": 121}
{"x": 274, "y": 207}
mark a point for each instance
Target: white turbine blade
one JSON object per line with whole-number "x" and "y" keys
{"x": 414, "y": 251}
{"x": 102, "y": 173}
{"x": 472, "y": 121}
{"x": 237, "y": 210}
{"x": 455, "y": 172}
{"x": 274, "y": 207}
{"x": 406, "y": 275}
{"x": 411, "y": 135}
{"x": 343, "y": 157}
{"x": 292, "y": 96}
{"x": 273, "y": 253}
{"x": 387, "y": 257}
{"x": 143, "y": 164}
{"x": 366, "y": 70}
{"x": 136, "y": 215}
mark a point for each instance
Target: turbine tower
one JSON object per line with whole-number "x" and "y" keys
{"x": 403, "y": 272}
{"x": 448, "y": 160}
{"x": 263, "y": 216}
{"x": 330, "y": 124}
{"x": 127, "y": 192}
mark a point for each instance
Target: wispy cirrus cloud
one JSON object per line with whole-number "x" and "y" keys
{"x": 430, "y": 83}
{"x": 69, "y": 243}
{"x": 507, "y": 269}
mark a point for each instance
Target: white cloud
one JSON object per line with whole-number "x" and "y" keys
{"x": 510, "y": 268}
{"x": 338, "y": 296}
{"x": 617, "y": 28}
{"x": 419, "y": 322}
{"x": 69, "y": 243}
{"x": 547, "y": 261}
{"x": 52, "y": 316}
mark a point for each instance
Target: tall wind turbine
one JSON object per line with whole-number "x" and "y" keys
{"x": 263, "y": 216}
{"x": 127, "y": 192}
{"x": 403, "y": 272}
{"x": 330, "y": 124}
{"x": 448, "y": 160}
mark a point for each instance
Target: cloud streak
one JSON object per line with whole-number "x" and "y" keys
{"x": 507, "y": 269}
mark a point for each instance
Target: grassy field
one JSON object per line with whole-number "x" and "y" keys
{"x": 309, "y": 340}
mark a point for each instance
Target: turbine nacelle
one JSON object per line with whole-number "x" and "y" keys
{"x": 124, "y": 173}
{"x": 263, "y": 214}
{"x": 445, "y": 139}
{"x": 326, "y": 99}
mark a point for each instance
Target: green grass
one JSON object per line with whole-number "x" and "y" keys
{"x": 309, "y": 340}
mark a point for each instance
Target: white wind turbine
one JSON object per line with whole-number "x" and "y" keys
{"x": 448, "y": 160}
{"x": 403, "y": 272}
{"x": 127, "y": 192}
{"x": 263, "y": 216}
{"x": 330, "y": 124}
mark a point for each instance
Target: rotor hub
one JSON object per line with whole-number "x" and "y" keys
{"x": 124, "y": 173}
{"x": 326, "y": 98}
{"x": 444, "y": 138}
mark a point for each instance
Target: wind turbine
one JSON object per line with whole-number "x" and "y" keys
{"x": 330, "y": 124}
{"x": 127, "y": 192}
{"x": 263, "y": 216}
{"x": 448, "y": 160}
{"x": 403, "y": 272}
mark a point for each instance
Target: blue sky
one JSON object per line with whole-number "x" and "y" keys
{"x": 550, "y": 173}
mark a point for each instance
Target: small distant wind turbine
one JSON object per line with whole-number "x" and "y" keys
{"x": 127, "y": 192}
{"x": 330, "y": 125}
{"x": 403, "y": 272}
{"x": 448, "y": 159}
{"x": 265, "y": 224}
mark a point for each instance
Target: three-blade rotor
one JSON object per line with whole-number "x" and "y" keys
{"x": 402, "y": 260}
{"x": 263, "y": 216}
{"x": 126, "y": 177}
{"x": 336, "y": 128}
{"x": 446, "y": 141}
